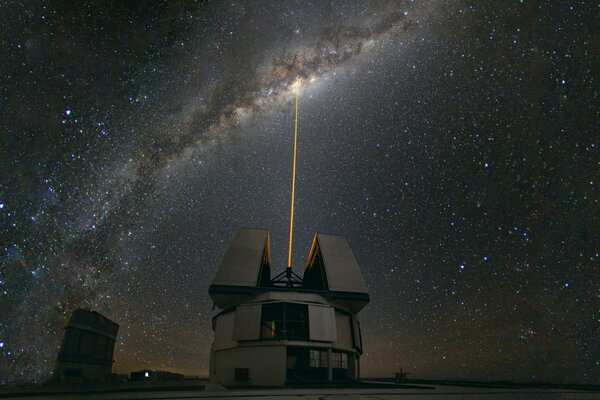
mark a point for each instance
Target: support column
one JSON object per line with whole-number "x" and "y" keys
{"x": 351, "y": 366}
{"x": 329, "y": 366}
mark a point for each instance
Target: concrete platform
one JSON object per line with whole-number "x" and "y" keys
{"x": 377, "y": 391}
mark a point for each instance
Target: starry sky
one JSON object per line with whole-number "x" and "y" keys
{"x": 454, "y": 144}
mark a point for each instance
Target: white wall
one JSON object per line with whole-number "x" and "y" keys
{"x": 224, "y": 332}
{"x": 266, "y": 360}
{"x": 267, "y": 365}
{"x": 344, "y": 332}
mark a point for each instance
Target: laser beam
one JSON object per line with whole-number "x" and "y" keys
{"x": 296, "y": 90}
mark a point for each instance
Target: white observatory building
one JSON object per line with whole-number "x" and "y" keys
{"x": 286, "y": 329}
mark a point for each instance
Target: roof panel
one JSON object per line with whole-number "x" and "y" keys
{"x": 242, "y": 262}
{"x": 341, "y": 268}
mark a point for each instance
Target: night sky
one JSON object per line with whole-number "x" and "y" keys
{"x": 454, "y": 144}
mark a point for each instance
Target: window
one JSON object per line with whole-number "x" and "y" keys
{"x": 318, "y": 359}
{"x": 296, "y": 320}
{"x": 284, "y": 321}
{"x": 339, "y": 360}
{"x": 271, "y": 321}
{"x": 242, "y": 374}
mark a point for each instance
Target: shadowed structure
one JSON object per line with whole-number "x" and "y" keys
{"x": 86, "y": 353}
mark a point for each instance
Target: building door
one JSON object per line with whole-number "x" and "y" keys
{"x": 302, "y": 369}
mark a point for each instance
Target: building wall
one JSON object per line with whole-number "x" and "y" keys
{"x": 237, "y": 345}
{"x": 231, "y": 326}
{"x": 224, "y": 332}
{"x": 352, "y": 366}
{"x": 344, "y": 331}
{"x": 266, "y": 365}
{"x": 75, "y": 372}
{"x": 86, "y": 352}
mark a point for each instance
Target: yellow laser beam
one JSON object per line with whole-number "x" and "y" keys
{"x": 293, "y": 183}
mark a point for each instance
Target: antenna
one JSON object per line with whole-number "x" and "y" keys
{"x": 296, "y": 89}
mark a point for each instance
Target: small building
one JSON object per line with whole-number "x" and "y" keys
{"x": 86, "y": 353}
{"x": 153, "y": 375}
{"x": 286, "y": 329}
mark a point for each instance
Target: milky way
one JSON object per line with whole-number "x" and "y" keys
{"x": 453, "y": 144}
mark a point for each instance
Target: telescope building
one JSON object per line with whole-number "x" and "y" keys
{"x": 286, "y": 329}
{"x": 86, "y": 353}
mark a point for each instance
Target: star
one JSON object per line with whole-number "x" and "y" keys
{"x": 431, "y": 135}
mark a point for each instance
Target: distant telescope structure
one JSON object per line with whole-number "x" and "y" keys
{"x": 286, "y": 329}
{"x": 86, "y": 353}
{"x": 153, "y": 375}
